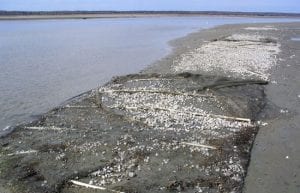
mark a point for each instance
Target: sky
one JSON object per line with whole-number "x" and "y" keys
{"x": 156, "y": 5}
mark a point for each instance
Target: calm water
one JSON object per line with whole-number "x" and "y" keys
{"x": 45, "y": 62}
{"x": 296, "y": 39}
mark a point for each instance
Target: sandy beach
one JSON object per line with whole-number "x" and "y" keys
{"x": 219, "y": 114}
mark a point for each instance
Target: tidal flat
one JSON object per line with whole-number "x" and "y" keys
{"x": 184, "y": 124}
{"x": 45, "y": 62}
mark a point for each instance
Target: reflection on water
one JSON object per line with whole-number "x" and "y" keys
{"x": 295, "y": 39}
{"x": 44, "y": 62}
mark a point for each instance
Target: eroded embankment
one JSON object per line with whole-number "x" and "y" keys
{"x": 149, "y": 132}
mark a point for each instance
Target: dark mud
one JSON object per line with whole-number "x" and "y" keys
{"x": 139, "y": 133}
{"x": 275, "y": 158}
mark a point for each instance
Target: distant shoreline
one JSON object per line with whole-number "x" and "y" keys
{"x": 23, "y": 15}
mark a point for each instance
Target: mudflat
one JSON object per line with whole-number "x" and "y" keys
{"x": 185, "y": 124}
{"x": 274, "y": 165}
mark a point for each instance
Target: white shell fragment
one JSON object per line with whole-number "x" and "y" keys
{"x": 240, "y": 55}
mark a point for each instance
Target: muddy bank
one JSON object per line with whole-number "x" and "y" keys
{"x": 168, "y": 129}
{"x": 275, "y": 162}
{"x": 140, "y": 133}
{"x": 274, "y": 165}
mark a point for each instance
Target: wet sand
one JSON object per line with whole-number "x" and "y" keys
{"x": 275, "y": 157}
{"x": 275, "y": 162}
{"x": 274, "y": 165}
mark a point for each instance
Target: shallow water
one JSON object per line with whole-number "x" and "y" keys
{"x": 295, "y": 39}
{"x": 45, "y": 62}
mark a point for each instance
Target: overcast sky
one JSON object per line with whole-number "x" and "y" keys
{"x": 189, "y": 5}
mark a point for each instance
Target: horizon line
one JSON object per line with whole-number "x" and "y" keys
{"x": 157, "y": 11}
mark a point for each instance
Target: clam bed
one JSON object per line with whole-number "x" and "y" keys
{"x": 139, "y": 133}
{"x": 244, "y": 56}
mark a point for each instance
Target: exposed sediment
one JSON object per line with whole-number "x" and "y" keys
{"x": 239, "y": 55}
{"x": 141, "y": 133}
{"x": 179, "y": 132}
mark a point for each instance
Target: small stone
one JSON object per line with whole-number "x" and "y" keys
{"x": 131, "y": 174}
